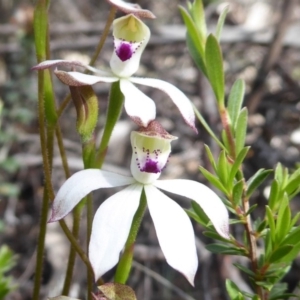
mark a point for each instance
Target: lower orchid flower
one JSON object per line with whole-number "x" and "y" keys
{"x": 151, "y": 148}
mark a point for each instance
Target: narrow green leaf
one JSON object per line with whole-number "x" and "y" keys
{"x": 244, "y": 269}
{"x": 293, "y": 237}
{"x": 200, "y": 213}
{"x": 213, "y": 180}
{"x": 271, "y": 222}
{"x": 194, "y": 216}
{"x": 293, "y": 182}
{"x": 251, "y": 209}
{"x": 221, "y": 22}
{"x": 210, "y": 157}
{"x": 232, "y": 290}
{"x": 208, "y": 129}
{"x": 274, "y": 192}
{"x": 192, "y": 31}
{"x": 222, "y": 168}
{"x": 283, "y": 220}
{"x": 261, "y": 226}
{"x": 225, "y": 140}
{"x": 295, "y": 219}
{"x": 237, "y": 192}
{"x": 194, "y": 52}
{"x": 241, "y": 130}
{"x": 225, "y": 249}
{"x": 214, "y": 235}
{"x": 237, "y": 164}
{"x": 214, "y": 67}
{"x": 198, "y": 15}
{"x": 280, "y": 253}
{"x": 292, "y": 254}
{"x": 256, "y": 180}
{"x": 235, "y": 101}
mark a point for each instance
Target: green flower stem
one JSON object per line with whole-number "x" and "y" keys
{"x": 125, "y": 262}
{"x": 72, "y": 254}
{"x": 62, "y": 151}
{"x": 114, "y": 110}
{"x": 75, "y": 244}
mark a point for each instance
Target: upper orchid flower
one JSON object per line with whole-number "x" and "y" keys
{"x": 112, "y": 222}
{"x": 131, "y": 36}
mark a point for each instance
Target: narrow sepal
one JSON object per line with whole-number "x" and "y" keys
{"x": 174, "y": 232}
{"x": 79, "y": 185}
{"x": 111, "y": 226}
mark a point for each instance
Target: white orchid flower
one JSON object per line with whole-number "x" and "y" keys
{"x": 131, "y": 36}
{"x": 112, "y": 222}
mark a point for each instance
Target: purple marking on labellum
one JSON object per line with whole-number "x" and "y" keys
{"x": 151, "y": 167}
{"x": 124, "y": 51}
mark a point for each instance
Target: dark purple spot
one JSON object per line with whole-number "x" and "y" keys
{"x": 151, "y": 167}
{"x": 124, "y": 51}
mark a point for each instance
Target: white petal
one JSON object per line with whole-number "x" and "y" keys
{"x": 79, "y": 79}
{"x": 111, "y": 227}
{"x": 79, "y": 185}
{"x": 138, "y": 106}
{"x": 209, "y": 201}
{"x": 174, "y": 232}
{"x": 178, "y": 97}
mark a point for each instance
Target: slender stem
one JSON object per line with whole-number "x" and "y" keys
{"x": 75, "y": 244}
{"x": 125, "y": 262}
{"x": 104, "y": 35}
{"x": 114, "y": 110}
{"x": 62, "y": 151}
{"x": 72, "y": 253}
{"x": 90, "y": 275}
{"x": 41, "y": 246}
{"x": 63, "y": 105}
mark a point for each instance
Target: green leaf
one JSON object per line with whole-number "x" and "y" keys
{"x": 235, "y": 101}
{"x": 237, "y": 192}
{"x": 233, "y": 290}
{"x": 200, "y": 213}
{"x": 198, "y": 15}
{"x": 283, "y": 220}
{"x": 210, "y": 157}
{"x": 196, "y": 56}
{"x": 274, "y": 192}
{"x": 221, "y": 22}
{"x": 295, "y": 219}
{"x": 271, "y": 222}
{"x": 280, "y": 253}
{"x": 293, "y": 182}
{"x": 222, "y": 168}
{"x": 214, "y": 235}
{"x": 237, "y": 163}
{"x": 196, "y": 39}
{"x": 292, "y": 254}
{"x": 208, "y": 129}
{"x": 194, "y": 216}
{"x": 225, "y": 249}
{"x": 256, "y": 180}
{"x": 213, "y": 180}
{"x": 251, "y": 209}
{"x": 241, "y": 130}
{"x": 245, "y": 269}
{"x": 293, "y": 237}
{"x": 214, "y": 67}
{"x": 261, "y": 226}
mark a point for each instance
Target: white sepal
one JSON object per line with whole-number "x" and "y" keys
{"x": 138, "y": 106}
{"x": 79, "y": 185}
{"x": 209, "y": 201}
{"x": 79, "y": 79}
{"x": 174, "y": 232}
{"x": 111, "y": 227}
{"x": 178, "y": 97}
